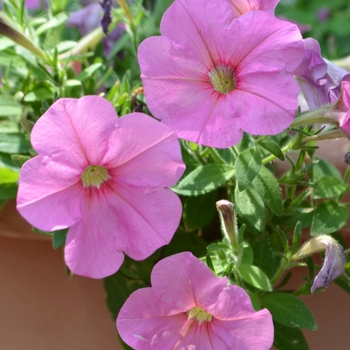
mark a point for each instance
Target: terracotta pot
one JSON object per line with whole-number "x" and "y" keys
{"x": 41, "y": 307}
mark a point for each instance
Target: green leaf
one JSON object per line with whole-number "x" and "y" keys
{"x": 89, "y": 71}
{"x": 248, "y": 165}
{"x": 329, "y": 187}
{"x": 9, "y": 107}
{"x": 289, "y": 310}
{"x": 6, "y": 161}
{"x": 14, "y": 143}
{"x": 8, "y": 184}
{"x": 268, "y": 188}
{"x": 8, "y": 176}
{"x": 226, "y": 154}
{"x": 204, "y": 179}
{"x": 255, "y": 301}
{"x": 250, "y": 206}
{"x": 8, "y": 191}
{"x": 8, "y": 127}
{"x": 287, "y": 338}
{"x": 39, "y": 94}
{"x": 329, "y": 217}
{"x": 59, "y": 238}
{"x": 186, "y": 241}
{"x": 199, "y": 211}
{"x": 273, "y": 148}
{"x": 264, "y": 257}
{"x": 344, "y": 283}
{"x": 323, "y": 168}
{"x": 247, "y": 254}
{"x": 255, "y": 276}
{"x": 52, "y": 23}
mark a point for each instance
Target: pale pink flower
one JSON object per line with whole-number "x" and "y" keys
{"x": 188, "y": 307}
{"x": 343, "y": 106}
{"x": 210, "y": 76}
{"x": 319, "y": 79}
{"x": 239, "y": 7}
{"x": 105, "y": 179}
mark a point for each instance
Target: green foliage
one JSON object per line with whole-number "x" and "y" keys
{"x": 289, "y": 310}
{"x": 275, "y": 211}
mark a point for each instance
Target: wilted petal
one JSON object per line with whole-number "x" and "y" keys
{"x": 333, "y": 265}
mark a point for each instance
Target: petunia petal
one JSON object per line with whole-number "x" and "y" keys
{"x": 92, "y": 249}
{"x": 255, "y": 99}
{"x": 49, "y": 194}
{"x": 75, "y": 132}
{"x": 199, "y": 32}
{"x": 190, "y": 278}
{"x": 144, "y": 322}
{"x": 146, "y": 218}
{"x": 254, "y": 332}
{"x": 236, "y": 322}
{"x": 273, "y": 45}
{"x": 150, "y": 155}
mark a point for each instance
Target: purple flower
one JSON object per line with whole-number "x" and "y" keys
{"x": 188, "y": 307}
{"x": 333, "y": 265}
{"x": 343, "y": 108}
{"x": 319, "y": 79}
{"x": 86, "y": 19}
{"x": 106, "y": 179}
{"x": 212, "y": 76}
{"x": 323, "y": 14}
{"x": 89, "y": 18}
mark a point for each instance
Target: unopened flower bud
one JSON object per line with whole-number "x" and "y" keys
{"x": 333, "y": 265}
{"x": 228, "y": 220}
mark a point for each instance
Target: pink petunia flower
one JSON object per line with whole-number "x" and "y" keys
{"x": 188, "y": 307}
{"x": 343, "y": 107}
{"x": 211, "y": 76}
{"x": 105, "y": 179}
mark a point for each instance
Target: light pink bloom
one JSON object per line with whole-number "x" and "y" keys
{"x": 210, "y": 76}
{"x": 319, "y": 79}
{"x": 105, "y": 179}
{"x": 188, "y": 307}
{"x": 239, "y": 7}
{"x": 344, "y": 108}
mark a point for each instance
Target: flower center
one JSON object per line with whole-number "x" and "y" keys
{"x": 94, "y": 175}
{"x": 199, "y": 314}
{"x": 223, "y": 79}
